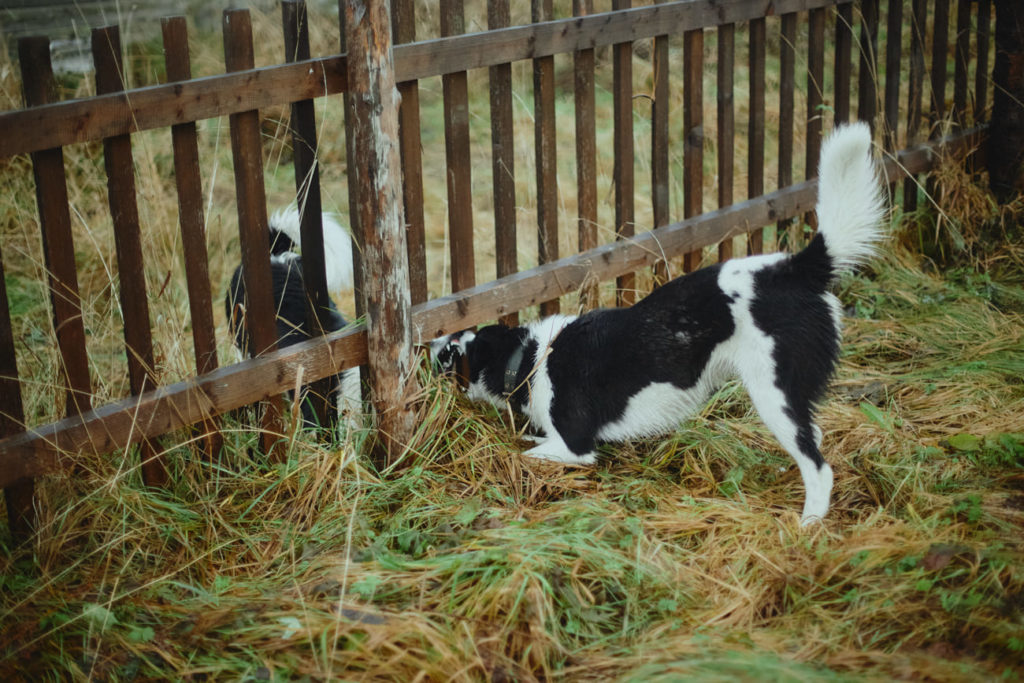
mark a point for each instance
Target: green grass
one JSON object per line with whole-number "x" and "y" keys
{"x": 674, "y": 559}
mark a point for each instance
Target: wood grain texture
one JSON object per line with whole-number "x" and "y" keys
{"x": 755, "y": 125}
{"x": 545, "y": 149}
{"x": 622, "y": 141}
{"x": 843, "y": 65}
{"x": 725, "y": 109}
{"x": 693, "y": 133}
{"x": 586, "y": 154}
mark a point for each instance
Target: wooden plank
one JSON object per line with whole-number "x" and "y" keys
{"x": 815, "y": 98}
{"x": 55, "y": 225}
{"x": 659, "y": 146}
{"x": 457, "y": 158}
{"x": 787, "y": 118}
{"x": 755, "y": 126}
{"x": 377, "y": 165}
{"x": 726, "y": 124}
{"x": 18, "y": 494}
{"x": 294, "y": 22}
{"x": 353, "y": 188}
{"x": 981, "y": 72}
{"x": 503, "y": 158}
{"x": 842, "y": 64}
{"x": 165, "y": 105}
{"x": 867, "y": 76}
{"x": 940, "y": 47}
{"x": 193, "y": 223}
{"x": 915, "y": 92}
{"x": 962, "y": 59}
{"x": 124, "y": 211}
{"x": 45, "y": 448}
{"x": 693, "y": 134}
{"x": 403, "y": 25}
{"x": 622, "y": 170}
{"x": 893, "y": 62}
{"x": 546, "y": 152}
{"x": 247, "y": 153}
{"x": 586, "y": 153}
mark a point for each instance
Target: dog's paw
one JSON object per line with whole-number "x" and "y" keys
{"x": 555, "y": 450}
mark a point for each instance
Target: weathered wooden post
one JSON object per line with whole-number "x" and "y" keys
{"x": 1006, "y": 133}
{"x": 378, "y": 202}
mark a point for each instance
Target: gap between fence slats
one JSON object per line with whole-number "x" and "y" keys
{"x": 815, "y": 98}
{"x": 622, "y": 170}
{"x": 893, "y": 58}
{"x": 246, "y": 151}
{"x": 193, "y": 224}
{"x": 961, "y": 59}
{"x": 867, "y": 75}
{"x": 693, "y": 134}
{"x": 787, "y": 120}
{"x": 755, "y": 126}
{"x": 843, "y": 67}
{"x": 41, "y": 449}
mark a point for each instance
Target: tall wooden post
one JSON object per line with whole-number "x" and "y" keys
{"x": 1006, "y": 133}
{"x": 378, "y": 201}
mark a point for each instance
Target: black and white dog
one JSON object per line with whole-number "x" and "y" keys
{"x": 290, "y": 298}
{"x": 620, "y": 374}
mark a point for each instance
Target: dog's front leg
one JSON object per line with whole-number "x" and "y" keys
{"x": 554, "y": 449}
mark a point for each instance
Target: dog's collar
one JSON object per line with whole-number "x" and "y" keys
{"x": 512, "y": 369}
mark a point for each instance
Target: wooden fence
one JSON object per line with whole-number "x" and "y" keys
{"x": 851, "y": 32}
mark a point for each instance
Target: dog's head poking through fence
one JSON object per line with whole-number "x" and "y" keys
{"x": 450, "y": 355}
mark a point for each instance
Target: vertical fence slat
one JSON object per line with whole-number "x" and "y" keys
{"x": 867, "y": 77}
{"x": 893, "y": 58}
{"x": 307, "y": 192}
{"x": 117, "y": 158}
{"x": 726, "y": 124}
{"x": 544, "y": 143}
{"x": 963, "y": 58}
{"x": 623, "y": 177}
{"x": 755, "y": 126}
{"x": 377, "y": 164}
{"x": 503, "y": 157}
{"x": 787, "y": 111}
{"x": 693, "y": 133}
{"x": 659, "y": 147}
{"x": 55, "y": 226}
{"x": 586, "y": 153}
{"x": 190, "y": 216}
{"x": 843, "y": 66}
{"x": 252, "y": 222}
{"x": 403, "y": 19}
{"x": 815, "y": 97}
{"x": 456, "y": 146}
{"x": 18, "y": 496}
{"x": 981, "y": 72}
{"x": 915, "y": 92}
{"x": 940, "y": 47}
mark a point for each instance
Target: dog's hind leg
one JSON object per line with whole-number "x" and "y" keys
{"x": 796, "y": 431}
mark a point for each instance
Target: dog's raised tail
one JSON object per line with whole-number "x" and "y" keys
{"x": 851, "y": 203}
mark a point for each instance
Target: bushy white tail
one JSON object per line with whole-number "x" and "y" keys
{"x": 337, "y": 245}
{"x": 851, "y": 203}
